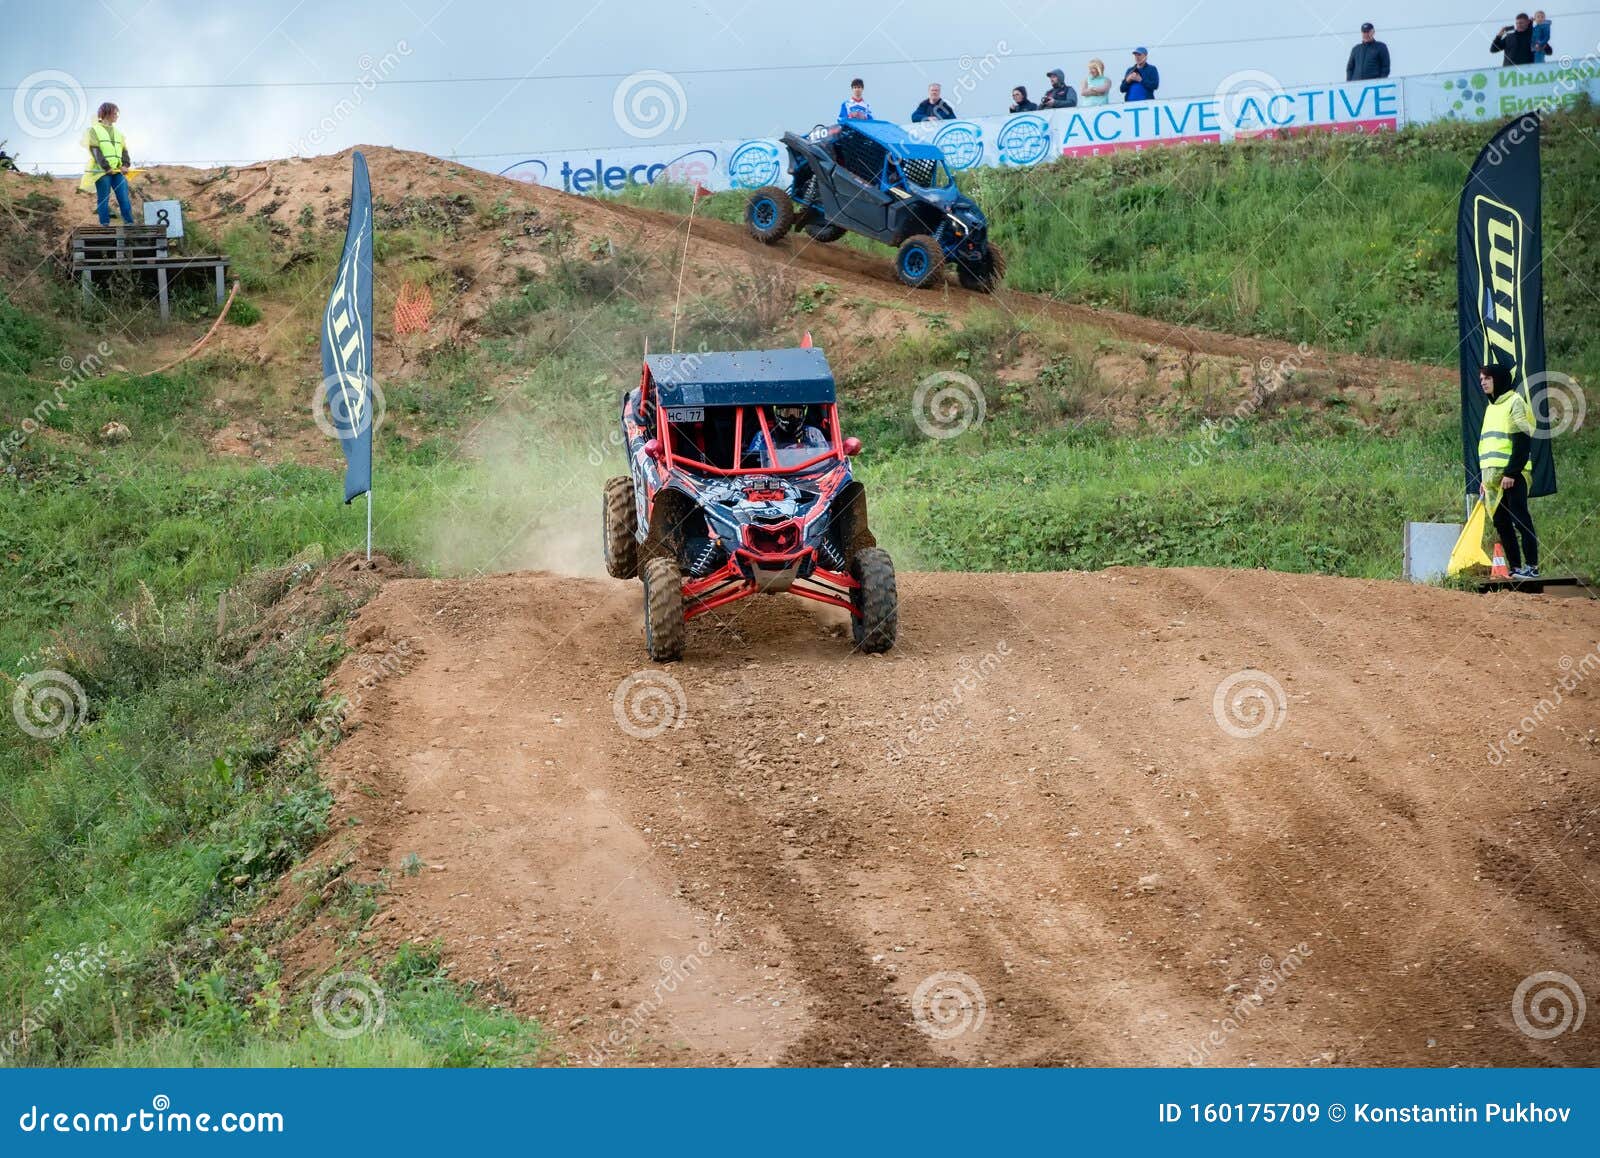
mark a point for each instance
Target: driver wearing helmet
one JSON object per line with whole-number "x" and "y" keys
{"x": 794, "y": 440}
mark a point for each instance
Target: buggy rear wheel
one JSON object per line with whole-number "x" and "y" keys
{"x": 621, "y": 547}
{"x": 918, "y": 260}
{"x": 663, "y": 610}
{"x": 823, "y": 232}
{"x": 875, "y": 605}
{"x": 769, "y": 214}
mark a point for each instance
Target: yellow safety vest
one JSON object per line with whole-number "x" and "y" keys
{"x": 1501, "y": 420}
{"x": 109, "y": 140}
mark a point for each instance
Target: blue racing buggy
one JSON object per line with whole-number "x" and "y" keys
{"x": 741, "y": 484}
{"x": 872, "y": 178}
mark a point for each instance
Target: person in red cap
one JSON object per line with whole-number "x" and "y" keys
{"x": 1369, "y": 60}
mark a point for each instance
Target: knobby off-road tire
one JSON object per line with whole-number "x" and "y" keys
{"x": 918, "y": 261}
{"x": 821, "y": 231}
{"x": 986, "y": 278}
{"x": 876, "y": 601}
{"x": 663, "y": 610}
{"x": 621, "y": 548}
{"x": 769, "y": 214}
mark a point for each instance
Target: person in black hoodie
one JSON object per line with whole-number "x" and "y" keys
{"x": 1517, "y": 43}
{"x": 1020, "y": 102}
{"x": 1061, "y": 95}
{"x": 1504, "y": 446}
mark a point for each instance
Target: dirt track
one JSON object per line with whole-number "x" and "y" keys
{"x": 1072, "y": 831}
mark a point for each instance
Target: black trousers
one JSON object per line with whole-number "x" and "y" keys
{"x": 1511, "y": 519}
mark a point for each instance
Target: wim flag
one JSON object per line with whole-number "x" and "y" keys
{"x": 347, "y": 340}
{"x": 1500, "y": 263}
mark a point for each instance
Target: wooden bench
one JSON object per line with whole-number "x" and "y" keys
{"x": 96, "y": 249}
{"x": 1572, "y": 586}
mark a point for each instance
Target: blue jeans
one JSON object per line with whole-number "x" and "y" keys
{"x": 102, "y": 198}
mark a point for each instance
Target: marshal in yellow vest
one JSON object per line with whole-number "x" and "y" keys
{"x": 1500, "y": 421}
{"x": 111, "y": 143}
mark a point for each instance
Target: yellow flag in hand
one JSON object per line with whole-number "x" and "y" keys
{"x": 1468, "y": 551}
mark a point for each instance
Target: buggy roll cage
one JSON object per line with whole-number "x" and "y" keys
{"x": 662, "y": 433}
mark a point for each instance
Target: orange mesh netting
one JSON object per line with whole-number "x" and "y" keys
{"x": 413, "y": 309}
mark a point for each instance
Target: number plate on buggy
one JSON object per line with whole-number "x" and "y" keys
{"x": 686, "y": 414}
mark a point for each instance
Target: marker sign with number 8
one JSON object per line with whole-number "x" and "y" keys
{"x": 168, "y": 213}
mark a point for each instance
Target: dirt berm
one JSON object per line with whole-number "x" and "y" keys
{"x": 1035, "y": 833}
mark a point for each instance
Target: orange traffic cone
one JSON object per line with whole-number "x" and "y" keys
{"x": 1498, "y": 569}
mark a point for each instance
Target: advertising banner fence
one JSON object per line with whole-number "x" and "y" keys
{"x": 1253, "y": 110}
{"x": 1248, "y": 104}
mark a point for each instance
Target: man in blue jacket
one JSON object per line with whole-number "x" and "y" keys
{"x": 1141, "y": 81}
{"x": 935, "y": 108}
{"x": 1369, "y": 60}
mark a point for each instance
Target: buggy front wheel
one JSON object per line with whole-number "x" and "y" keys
{"x": 984, "y": 276}
{"x": 874, "y": 603}
{"x": 769, "y": 214}
{"x": 663, "y": 610}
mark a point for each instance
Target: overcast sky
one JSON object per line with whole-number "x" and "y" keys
{"x": 743, "y": 70}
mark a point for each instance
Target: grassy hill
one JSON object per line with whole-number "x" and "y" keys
{"x": 187, "y": 592}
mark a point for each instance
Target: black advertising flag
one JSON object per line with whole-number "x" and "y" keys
{"x": 1500, "y": 282}
{"x": 347, "y": 340}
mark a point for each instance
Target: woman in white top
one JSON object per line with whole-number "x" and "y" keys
{"x": 1097, "y": 85}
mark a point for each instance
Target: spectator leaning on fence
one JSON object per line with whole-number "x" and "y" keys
{"x": 107, "y": 171}
{"x": 1060, "y": 95}
{"x": 856, "y": 107}
{"x": 1517, "y": 42}
{"x": 1020, "y": 102}
{"x": 1369, "y": 60}
{"x": 1140, "y": 82}
{"x": 1097, "y": 85}
{"x": 935, "y": 108}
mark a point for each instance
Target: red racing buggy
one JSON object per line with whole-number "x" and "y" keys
{"x": 741, "y": 484}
